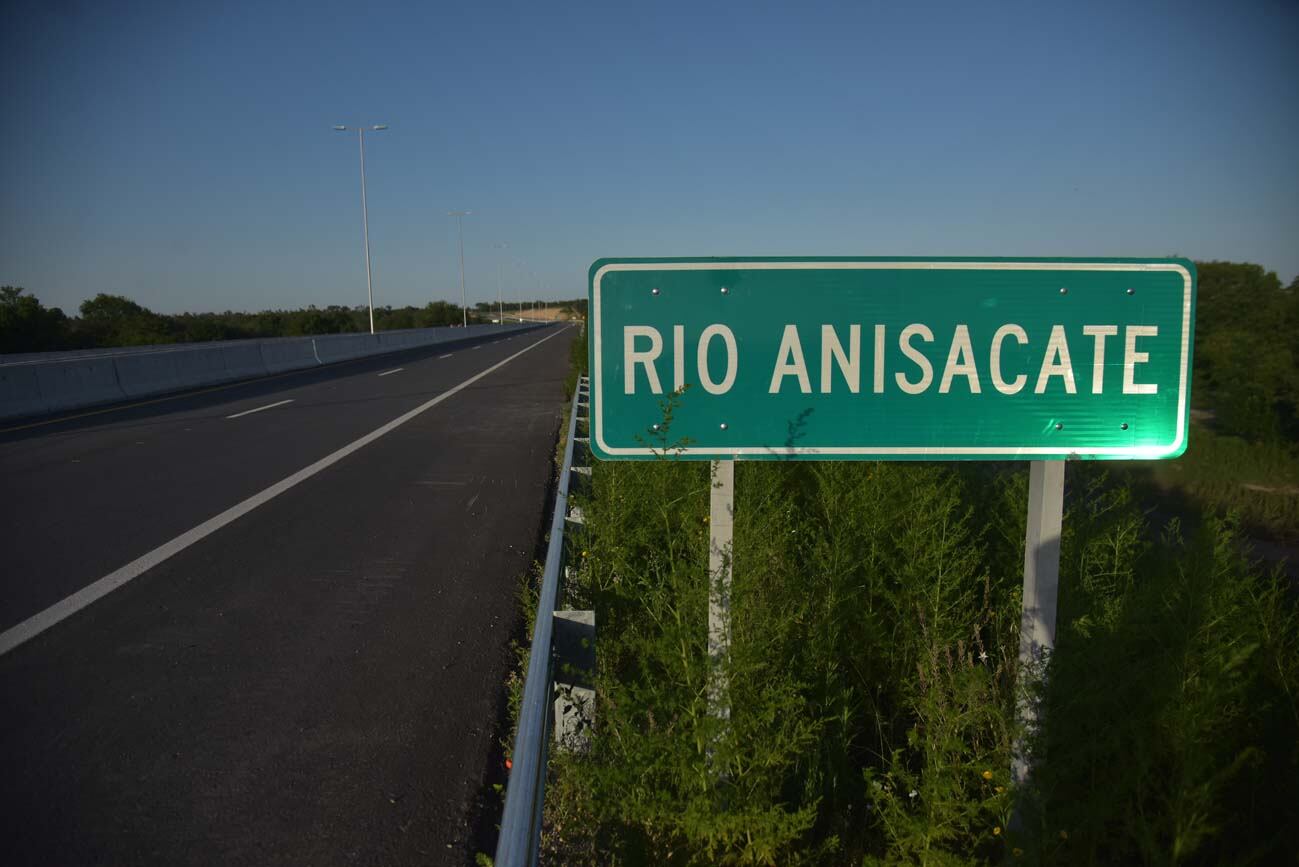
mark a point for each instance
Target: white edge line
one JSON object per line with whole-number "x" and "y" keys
{"x": 394, "y": 370}
{"x": 1139, "y": 452}
{"x": 448, "y": 355}
{"x": 260, "y": 408}
{"x": 93, "y": 592}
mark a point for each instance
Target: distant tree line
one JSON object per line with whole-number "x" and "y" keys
{"x": 26, "y": 325}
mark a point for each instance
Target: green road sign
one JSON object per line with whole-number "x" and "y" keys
{"x": 888, "y": 358}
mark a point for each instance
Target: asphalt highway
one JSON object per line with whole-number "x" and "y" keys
{"x": 300, "y": 655}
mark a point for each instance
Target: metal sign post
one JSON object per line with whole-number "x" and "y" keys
{"x": 1041, "y": 586}
{"x": 721, "y": 535}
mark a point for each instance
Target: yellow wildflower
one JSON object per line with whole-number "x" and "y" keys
{"x": 1017, "y": 852}
{"x": 987, "y": 775}
{"x": 996, "y": 832}
{"x": 999, "y": 789}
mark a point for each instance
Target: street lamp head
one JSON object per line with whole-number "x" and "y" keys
{"x": 379, "y": 126}
{"x": 459, "y": 213}
{"x": 340, "y": 127}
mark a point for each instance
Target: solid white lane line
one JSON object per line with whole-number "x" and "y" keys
{"x": 448, "y": 355}
{"x": 479, "y": 346}
{"x": 260, "y": 408}
{"x": 38, "y": 623}
{"x": 394, "y": 370}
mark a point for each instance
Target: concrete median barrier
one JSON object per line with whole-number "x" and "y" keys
{"x": 345, "y": 347}
{"x": 20, "y": 392}
{"x": 162, "y": 372}
{"x": 281, "y": 356}
{"x": 37, "y": 384}
{"x": 78, "y": 383}
{"x": 243, "y": 361}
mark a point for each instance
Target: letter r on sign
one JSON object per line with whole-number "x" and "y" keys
{"x": 631, "y": 356}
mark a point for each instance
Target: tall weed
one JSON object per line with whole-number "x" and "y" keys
{"x": 1172, "y": 709}
{"x": 875, "y": 614}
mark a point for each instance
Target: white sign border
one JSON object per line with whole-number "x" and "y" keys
{"x": 1010, "y": 453}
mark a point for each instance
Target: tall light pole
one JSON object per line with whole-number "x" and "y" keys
{"x": 518, "y": 299}
{"x": 460, "y": 227}
{"x": 365, "y": 214}
{"x": 518, "y": 287}
{"x": 500, "y": 291}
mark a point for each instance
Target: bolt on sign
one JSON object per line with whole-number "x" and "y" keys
{"x": 891, "y": 358}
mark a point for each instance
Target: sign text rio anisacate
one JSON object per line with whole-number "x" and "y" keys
{"x": 878, "y": 359}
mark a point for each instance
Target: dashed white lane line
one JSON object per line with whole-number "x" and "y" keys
{"x": 394, "y": 370}
{"x": 448, "y": 355}
{"x": 93, "y": 592}
{"x": 479, "y": 346}
{"x": 260, "y": 408}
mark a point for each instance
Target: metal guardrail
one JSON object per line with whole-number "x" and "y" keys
{"x": 521, "y": 821}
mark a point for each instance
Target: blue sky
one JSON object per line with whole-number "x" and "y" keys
{"x": 181, "y": 153}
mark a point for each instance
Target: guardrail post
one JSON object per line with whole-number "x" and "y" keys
{"x": 574, "y": 673}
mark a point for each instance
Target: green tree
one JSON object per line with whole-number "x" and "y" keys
{"x": 26, "y": 325}
{"x": 439, "y": 313}
{"x": 1246, "y": 349}
{"x": 389, "y": 319}
{"x": 114, "y": 320}
{"x": 332, "y": 320}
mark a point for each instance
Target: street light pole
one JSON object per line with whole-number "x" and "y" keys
{"x": 460, "y": 228}
{"x": 500, "y": 286}
{"x": 518, "y": 287}
{"x": 365, "y": 213}
{"x": 519, "y": 292}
